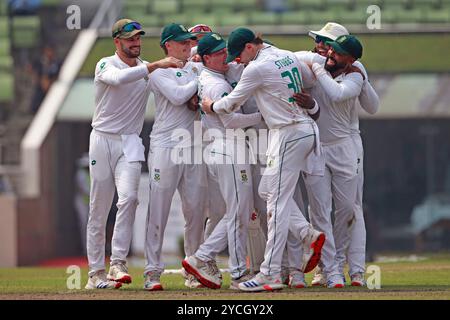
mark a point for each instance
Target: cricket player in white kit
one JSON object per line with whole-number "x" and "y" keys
{"x": 257, "y": 238}
{"x": 172, "y": 162}
{"x": 228, "y": 164}
{"x": 338, "y": 88}
{"x": 272, "y": 77}
{"x": 115, "y": 150}
{"x": 369, "y": 101}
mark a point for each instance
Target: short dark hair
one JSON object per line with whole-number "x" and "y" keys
{"x": 257, "y": 40}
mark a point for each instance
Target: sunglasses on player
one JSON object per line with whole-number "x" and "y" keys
{"x": 320, "y": 39}
{"x": 128, "y": 27}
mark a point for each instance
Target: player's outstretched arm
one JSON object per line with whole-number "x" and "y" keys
{"x": 169, "y": 62}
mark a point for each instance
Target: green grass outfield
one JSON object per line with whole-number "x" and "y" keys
{"x": 382, "y": 53}
{"x": 426, "y": 279}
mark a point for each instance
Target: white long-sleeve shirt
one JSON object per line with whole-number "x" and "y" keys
{"x": 367, "y": 99}
{"x": 121, "y": 94}
{"x": 172, "y": 89}
{"x": 338, "y": 100}
{"x": 214, "y": 85}
{"x": 272, "y": 78}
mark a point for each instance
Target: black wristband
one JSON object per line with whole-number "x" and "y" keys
{"x": 212, "y": 107}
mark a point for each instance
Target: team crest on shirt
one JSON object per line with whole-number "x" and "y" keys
{"x": 195, "y": 70}
{"x": 179, "y": 74}
{"x": 244, "y": 176}
{"x": 93, "y": 162}
{"x": 157, "y": 175}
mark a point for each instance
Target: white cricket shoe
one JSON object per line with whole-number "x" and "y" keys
{"x": 297, "y": 280}
{"x": 357, "y": 280}
{"x": 234, "y": 285}
{"x": 318, "y": 279}
{"x": 312, "y": 247}
{"x": 261, "y": 282}
{"x": 335, "y": 281}
{"x": 206, "y": 272}
{"x": 119, "y": 272}
{"x": 190, "y": 281}
{"x": 152, "y": 281}
{"x": 100, "y": 281}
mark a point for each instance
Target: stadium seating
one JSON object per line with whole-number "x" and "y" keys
{"x": 253, "y": 12}
{"x": 26, "y": 31}
{"x": 263, "y": 18}
{"x": 6, "y": 86}
{"x": 295, "y": 17}
{"x": 3, "y": 27}
{"x": 233, "y": 20}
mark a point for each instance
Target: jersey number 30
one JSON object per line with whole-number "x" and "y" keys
{"x": 295, "y": 81}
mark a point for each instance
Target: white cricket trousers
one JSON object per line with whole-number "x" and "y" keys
{"x": 235, "y": 183}
{"x": 215, "y": 207}
{"x": 339, "y": 184}
{"x": 288, "y": 155}
{"x": 166, "y": 176}
{"x": 109, "y": 170}
{"x": 356, "y": 255}
{"x": 292, "y": 257}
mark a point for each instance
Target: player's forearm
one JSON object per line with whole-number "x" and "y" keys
{"x": 239, "y": 120}
{"x": 338, "y": 92}
{"x": 237, "y": 97}
{"x": 115, "y": 77}
{"x": 176, "y": 94}
{"x": 369, "y": 99}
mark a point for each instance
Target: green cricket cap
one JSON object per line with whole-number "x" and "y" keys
{"x": 176, "y": 32}
{"x": 210, "y": 43}
{"x": 236, "y": 42}
{"x": 347, "y": 44}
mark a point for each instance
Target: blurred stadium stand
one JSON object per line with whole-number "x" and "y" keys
{"x": 222, "y": 13}
{"x": 407, "y": 153}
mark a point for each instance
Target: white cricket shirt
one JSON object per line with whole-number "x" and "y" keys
{"x": 213, "y": 84}
{"x": 172, "y": 88}
{"x": 121, "y": 94}
{"x": 272, "y": 78}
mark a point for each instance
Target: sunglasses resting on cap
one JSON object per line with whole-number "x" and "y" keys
{"x": 128, "y": 28}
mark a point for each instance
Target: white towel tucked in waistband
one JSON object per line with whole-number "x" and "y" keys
{"x": 132, "y": 147}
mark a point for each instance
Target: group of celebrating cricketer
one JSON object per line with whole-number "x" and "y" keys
{"x": 242, "y": 195}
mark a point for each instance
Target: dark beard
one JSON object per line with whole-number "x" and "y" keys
{"x": 337, "y": 66}
{"x": 129, "y": 54}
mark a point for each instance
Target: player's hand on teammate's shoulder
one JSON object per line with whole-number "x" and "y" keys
{"x": 192, "y": 103}
{"x": 206, "y": 105}
{"x": 353, "y": 68}
{"x": 304, "y": 100}
{"x": 170, "y": 62}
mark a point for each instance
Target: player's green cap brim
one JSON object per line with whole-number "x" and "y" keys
{"x": 231, "y": 57}
{"x": 186, "y": 36}
{"x": 336, "y": 47}
{"x": 218, "y": 47}
{"x": 180, "y": 37}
